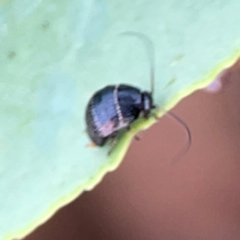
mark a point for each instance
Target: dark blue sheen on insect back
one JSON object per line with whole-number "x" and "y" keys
{"x": 104, "y": 109}
{"x": 112, "y": 108}
{"x": 130, "y": 102}
{"x": 100, "y": 110}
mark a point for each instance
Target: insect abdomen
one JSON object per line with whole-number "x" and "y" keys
{"x": 101, "y": 116}
{"x": 92, "y": 128}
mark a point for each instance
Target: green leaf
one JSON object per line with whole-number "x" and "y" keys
{"x": 56, "y": 54}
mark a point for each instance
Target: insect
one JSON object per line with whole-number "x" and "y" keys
{"x": 116, "y": 107}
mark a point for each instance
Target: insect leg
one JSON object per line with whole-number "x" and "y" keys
{"x": 113, "y": 142}
{"x": 91, "y": 145}
{"x": 136, "y": 137}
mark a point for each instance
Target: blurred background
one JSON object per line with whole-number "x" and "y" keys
{"x": 148, "y": 199}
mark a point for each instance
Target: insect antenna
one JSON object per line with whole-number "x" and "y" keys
{"x": 185, "y": 127}
{"x": 149, "y": 46}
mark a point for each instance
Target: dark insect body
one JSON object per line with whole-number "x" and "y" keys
{"x": 114, "y": 108}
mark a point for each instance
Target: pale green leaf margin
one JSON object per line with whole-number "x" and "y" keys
{"x": 122, "y": 147}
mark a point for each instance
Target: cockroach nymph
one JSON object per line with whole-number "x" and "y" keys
{"x": 116, "y": 107}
